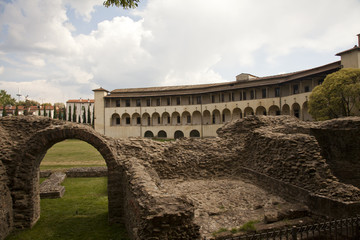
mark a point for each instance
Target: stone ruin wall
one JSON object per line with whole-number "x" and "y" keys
{"x": 282, "y": 154}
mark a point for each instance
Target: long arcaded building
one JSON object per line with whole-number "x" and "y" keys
{"x": 199, "y": 110}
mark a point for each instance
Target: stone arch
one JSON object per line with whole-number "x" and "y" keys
{"x": 260, "y": 110}
{"x": 194, "y": 133}
{"x": 166, "y": 119}
{"x": 175, "y": 118}
{"x": 237, "y": 114}
{"x": 155, "y": 119}
{"x": 305, "y": 112}
{"x": 285, "y": 109}
{"x": 25, "y": 183}
{"x": 226, "y": 115}
{"x": 162, "y": 134}
{"x": 295, "y": 110}
{"x": 135, "y": 119}
{"x": 248, "y": 111}
{"x": 178, "y": 134}
{"x": 148, "y": 134}
{"x": 196, "y": 118}
{"x": 274, "y": 110}
{"x": 125, "y": 119}
{"x": 145, "y": 119}
{"x": 115, "y": 120}
{"x": 185, "y": 118}
{"x": 206, "y": 117}
{"x": 216, "y": 118}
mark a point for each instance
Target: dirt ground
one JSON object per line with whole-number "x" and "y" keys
{"x": 230, "y": 203}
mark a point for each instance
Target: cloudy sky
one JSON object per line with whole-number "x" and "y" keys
{"x": 57, "y": 50}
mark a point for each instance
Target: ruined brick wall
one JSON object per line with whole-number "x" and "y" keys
{"x": 6, "y": 211}
{"x": 340, "y": 145}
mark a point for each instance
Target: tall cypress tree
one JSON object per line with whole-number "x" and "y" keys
{"x": 16, "y": 110}
{"x": 89, "y": 115}
{"x": 93, "y": 118}
{"x": 55, "y": 112}
{"x": 4, "y": 113}
{"x": 64, "y": 113}
{"x": 69, "y": 114}
{"x": 74, "y": 114}
{"x": 44, "y": 110}
{"x": 50, "y": 112}
{"x": 79, "y": 120}
{"x": 39, "y": 113}
{"x": 84, "y": 115}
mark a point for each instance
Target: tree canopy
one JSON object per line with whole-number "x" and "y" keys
{"x": 122, "y": 3}
{"x": 6, "y": 99}
{"x": 337, "y": 96}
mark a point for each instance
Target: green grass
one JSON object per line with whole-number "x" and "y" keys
{"x": 72, "y": 153}
{"x": 82, "y": 213}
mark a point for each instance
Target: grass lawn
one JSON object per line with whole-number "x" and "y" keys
{"x": 81, "y": 214}
{"x": 72, "y": 153}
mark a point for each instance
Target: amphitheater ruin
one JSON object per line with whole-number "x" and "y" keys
{"x": 153, "y": 187}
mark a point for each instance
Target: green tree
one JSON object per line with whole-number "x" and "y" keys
{"x": 28, "y": 103}
{"x": 16, "y": 110}
{"x": 6, "y": 99}
{"x": 39, "y": 113}
{"x": 44, "y": 106}
{"x": 50, "y": 112}
{"x": 93, "y": 118}
{"x": 79, "y": 119}
{"x": 88, "y": 115}
{"x": 69, "y": 114}
{"x": 64, "y": 114}
{"x": 4, "y": 113}
{"x": 74, "y": 114}
{"x": 337, "y": 96}
{"x": 55, "y": 113}
{"x": 122, "y": 3}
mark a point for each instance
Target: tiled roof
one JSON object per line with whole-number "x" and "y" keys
{"x": 217, "y": 87}
{"x": 80, "y": 101}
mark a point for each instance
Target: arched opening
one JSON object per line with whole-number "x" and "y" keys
{"x": 125, "y": 119}
{"x": 260, "y": 110}
{"x": 135, "y": 119}
{"x": 226, "y": 115}
{"x": 185, "y": 118}
{"x": 216, "y": 119}
{"x": 237, "y": 114}
{"x": 194, "y": 134}
{"x": 149, "y": 134}
{"x": 296, "y": 110}
{"x": 166, "y": 120}
{"x": 248, "y": 111}
{"x": 146, "y": 120}
{"x": 162, "y": 134}
{"x": 175, "y": 118}
{"x": 26, "y": 180}
{"x": 285, "y": 110}
{"x": 206, "y": 117}
{"x": 196, "y": 118}
{"x": 115, "y": 120}
{"x": 178, "y": 134}
{"x": 305, "y": 112}
{"x": 156, "y": 119}
{"x": 274, "y": 110}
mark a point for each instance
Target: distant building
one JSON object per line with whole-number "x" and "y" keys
{"x": 32, "y": 110}
{"x": 199, "y": 110}
{"x": 80, "y": 106}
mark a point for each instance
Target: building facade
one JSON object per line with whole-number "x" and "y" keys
{"x": 199, "y": 110}
{"x": 80, "y": 110}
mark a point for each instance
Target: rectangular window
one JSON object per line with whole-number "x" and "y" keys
{"x": 117, "y": 121}
{"x": 158, "y": 102}
{"x": 213, "y": 98}
{"x": 188, "y": 119}
{"x": 138, "y": 102}
{"x": 222, "y": 97}
{"x": 148, "y": 102}
{"x": 118, "y": 103}
{"x": 158, "y": 120}
{"x": 307, "y": 89}
{"x": 244, "y": 95}
{"x": 241, "y": 95}
{"x": 263, "y": 93}
{"x": 168, "y": 101}
{"x": 127, "y": 102}
{"x": 178, "y": 119}
{"x": 232, "y": 96}
{"x": 138, "y": 120}
{"x": 178, "y": 101}
{"x": 168, "y": 118}
{"x": 277, "y": 92}
{"x": 198, "y": 99}
{"x": 128, "y": 120}
{"x": 213, "y": 119}
{"x": 149, "y": 121}
{"x": 223, "y": 117}
{"x": 296, "y": 89}
{"x": 252, "y": 94}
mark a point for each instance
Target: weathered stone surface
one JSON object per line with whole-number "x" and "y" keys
{"x": 288, "y": 157}
{"x": 51, "y": 187}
